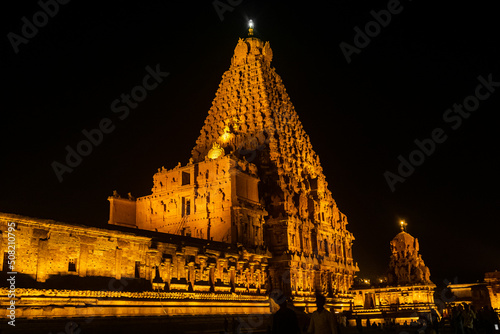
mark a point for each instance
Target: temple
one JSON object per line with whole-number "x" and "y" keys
{"x": 249, "y": 214}
{"x": 408, "y": 293}
{"x": 254, "y": 179}
{"x": 406, "y": 265}
{"x": 248, "y": 217}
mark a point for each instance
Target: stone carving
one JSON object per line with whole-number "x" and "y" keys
{"x": 268, "y": 53}
{"x": 266, "y": 183}
{"x": 406, "y": 266}
{"x": 240, "y": 52}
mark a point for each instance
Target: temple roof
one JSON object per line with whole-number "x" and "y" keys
{"x": 404, "y": 237}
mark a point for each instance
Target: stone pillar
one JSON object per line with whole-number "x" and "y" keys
{"x": 82, "y": 261}
{"x": 42, "y": 263}
{"x": 167, "y": 274}
{"x": 118, "y": 264}
{"x": 179, "y": 265}
{"x": 232, "y": 275}
{"x": 191, "y": 275}
{"x": 2, "y": 252}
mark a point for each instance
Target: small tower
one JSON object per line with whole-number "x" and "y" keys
{"x": 409, "y": 292}
{"x": 406, "y": 265}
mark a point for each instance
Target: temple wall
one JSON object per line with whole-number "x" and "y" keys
{"x": 216, "y": 199}
{"x": 401, "y": 304}
{"x": 122, "y": 211}
{"x": 492, "y": 280}
{"x": 46, "y": 250}
{"x": 387, "y": 297}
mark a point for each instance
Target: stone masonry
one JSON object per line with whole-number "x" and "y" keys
{"x": 255, "y": 179}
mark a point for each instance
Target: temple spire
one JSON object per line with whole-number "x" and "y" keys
{"x": 250, "y": 28}
{"x": 252, "y": 118}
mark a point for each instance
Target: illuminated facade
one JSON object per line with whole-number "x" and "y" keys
{"x": 213, "y": 200}
{"x": 254, "y": 179}
{"x": 492, "y": 280}
{"x": 250, "y": 212}
{"x": 479, "y": 295}
{"x": 409, "y": 292}
{"x": 67, "y": 270}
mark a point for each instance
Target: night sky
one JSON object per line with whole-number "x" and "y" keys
{"x": 361, "y": 116}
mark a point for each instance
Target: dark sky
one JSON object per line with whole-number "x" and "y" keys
{"x": 360, "y": 116}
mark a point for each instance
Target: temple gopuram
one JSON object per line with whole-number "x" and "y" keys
{"x": 249, "y": 214}
{"x": 254, "y": 179}
{"x": 408, "y": 295}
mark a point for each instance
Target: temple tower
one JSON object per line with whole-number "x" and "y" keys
{"x": 254, "y": 179}
{"x": 406, "y": 265}
{"x": 252, "y": 118}
{"x": 406, "y": 295}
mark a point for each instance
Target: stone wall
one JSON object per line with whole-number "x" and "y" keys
{"x": 492, "y": 280}
{"x": 47, "y": 251}
{"x": 398, "y": 304}
{"x": 402, "y": 297}
{"x": 216, "y": 199}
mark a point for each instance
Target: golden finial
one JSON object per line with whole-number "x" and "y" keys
{"x": 403, "y": 225}
{"x": 250, "y": 28}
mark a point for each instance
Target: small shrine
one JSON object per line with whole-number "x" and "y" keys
{"x": 408, "y": 295}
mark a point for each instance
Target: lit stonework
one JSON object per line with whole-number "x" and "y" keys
{"x": 492, "y": 280}
{"x": 255, "y": 179}
{"x": 406, "y": 265}
{"x": 249, "y": 213}
{"x": 252, "y": 117}
{"x": 215, "y": 199}
{"x": 177, "y": 275}
{"x": 478, "y": 294}
{"x": 409, "y": 292}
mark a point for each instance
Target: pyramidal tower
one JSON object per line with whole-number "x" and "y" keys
{"x": 255, "y": 180}
{"x": 406, "y": 294}
{"x": 406, "y": 266}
